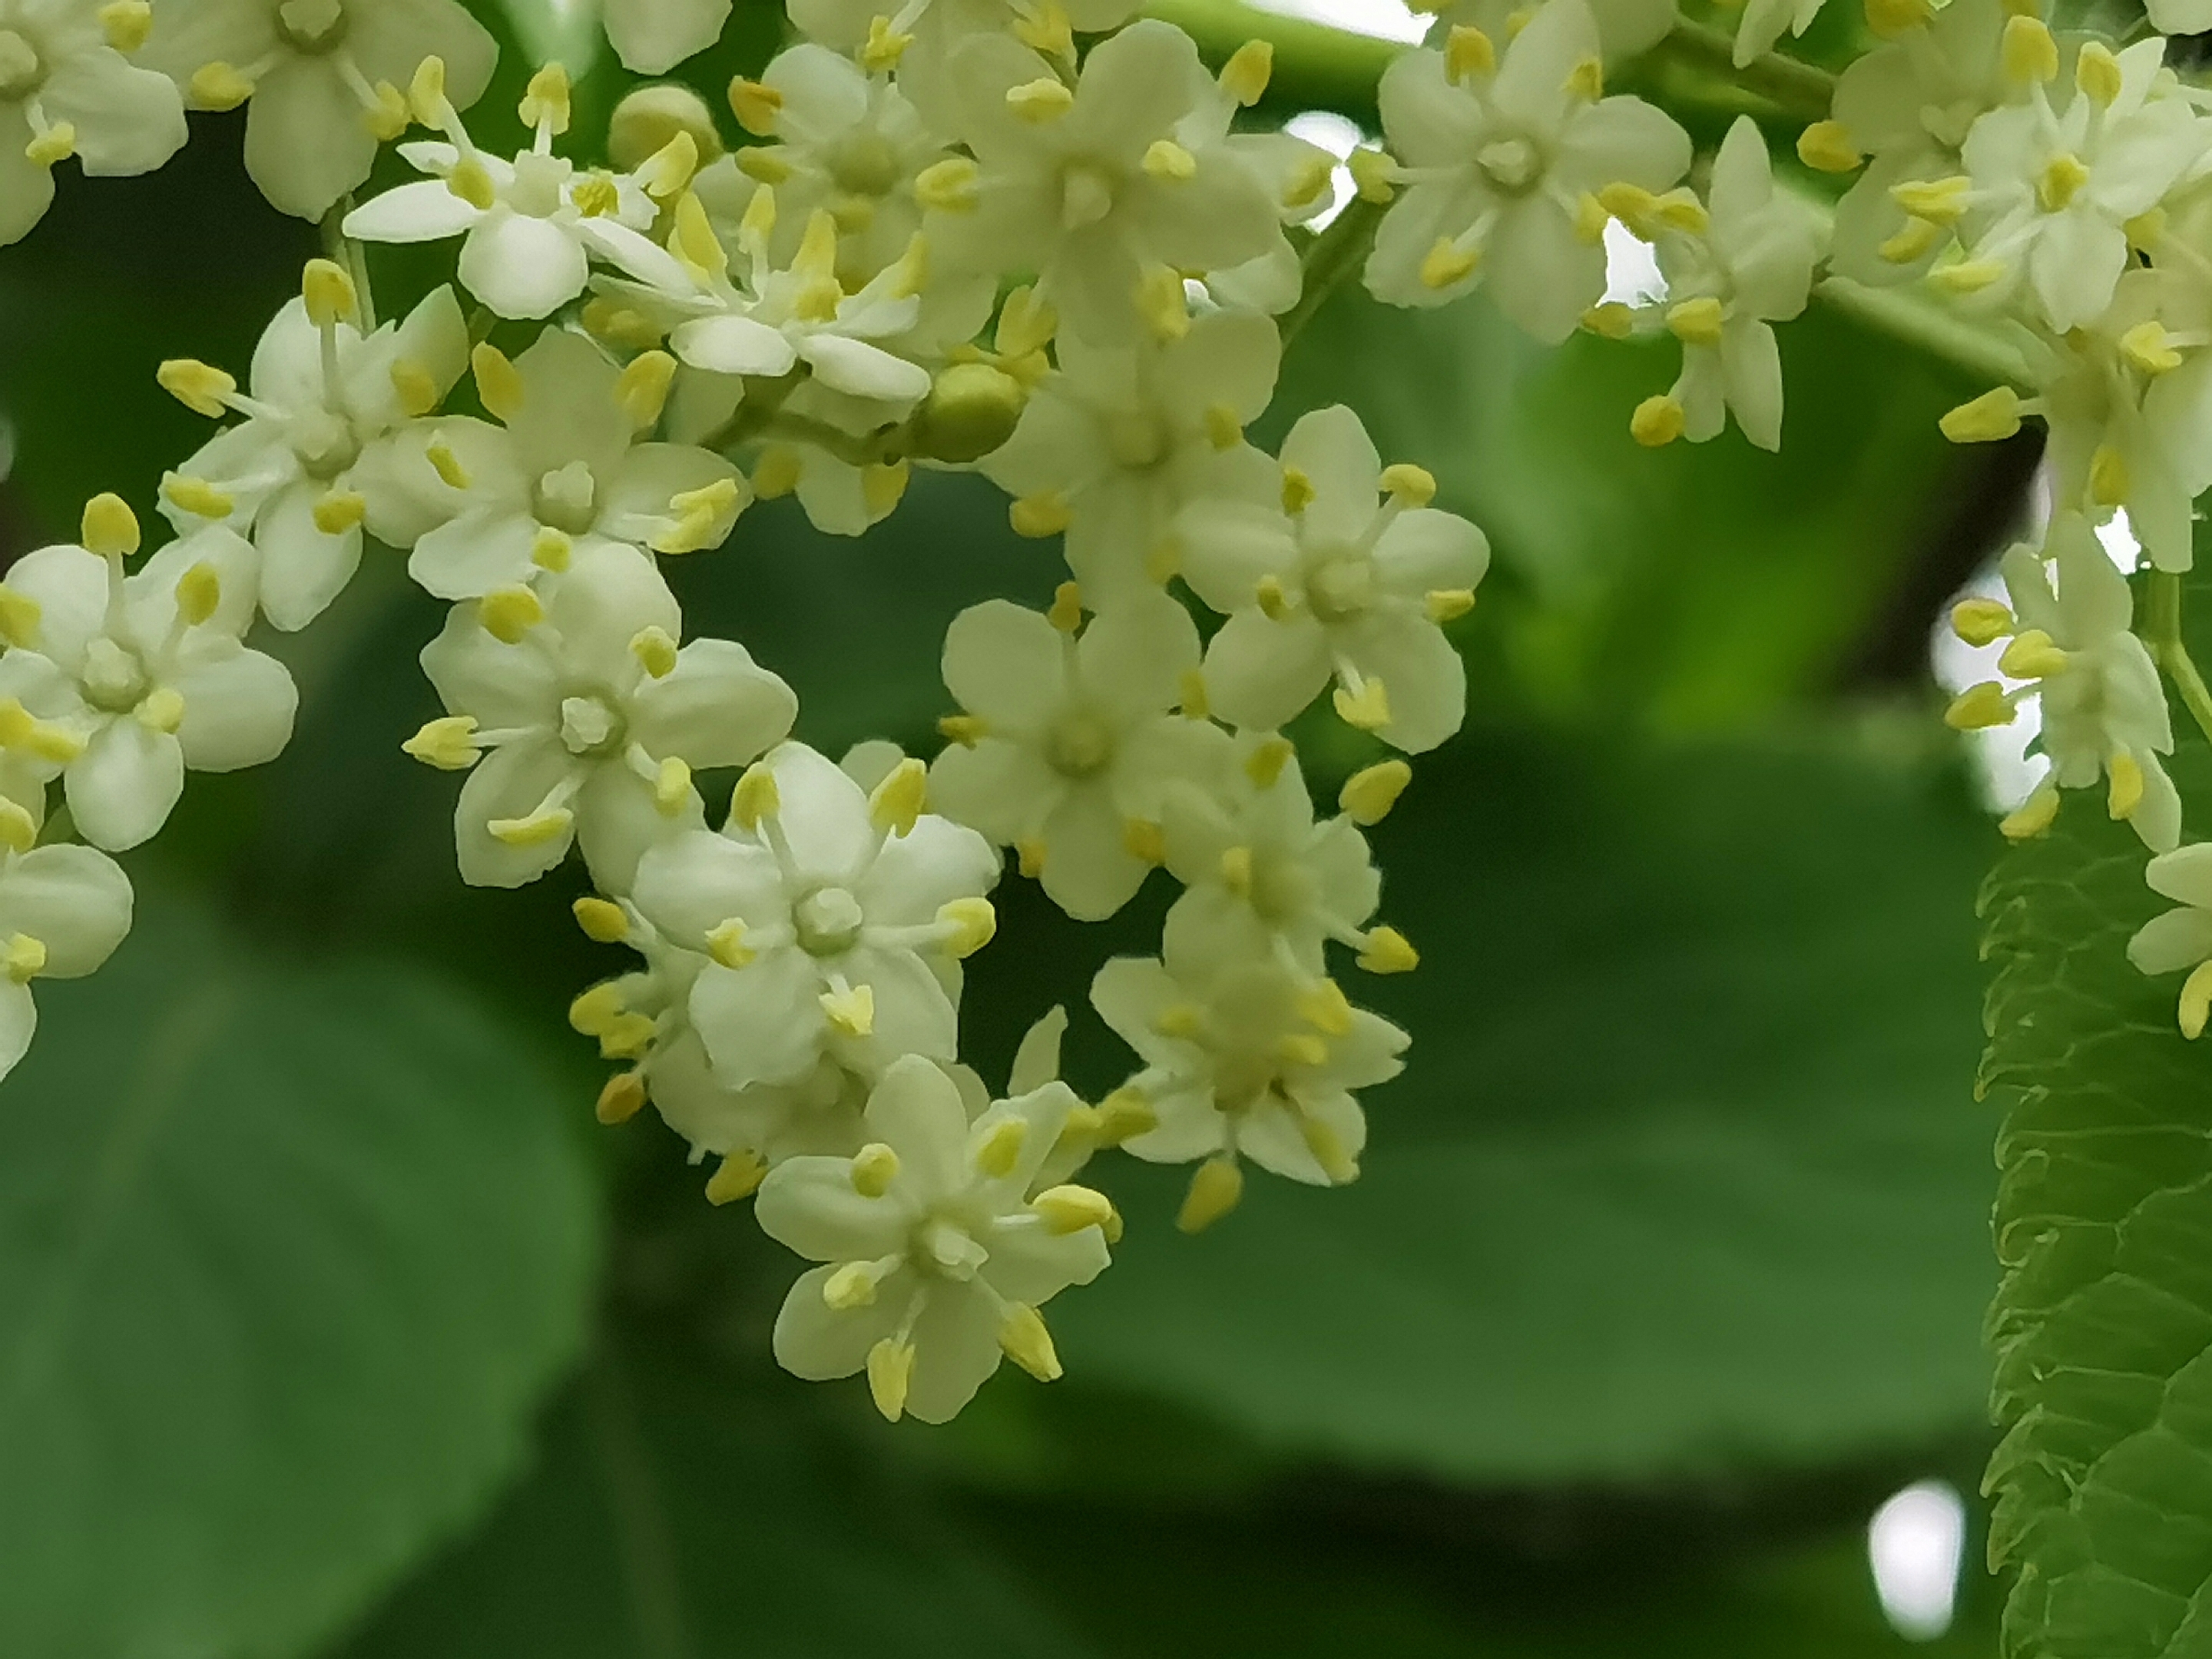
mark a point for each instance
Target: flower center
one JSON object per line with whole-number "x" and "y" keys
{"x": 828, "y": 922}
{"x": 1080, "y": 743}
{"x": 311, "y": 26}
{"x": 591, "y": 725}
{"x": 1135, "y": 440}
{"x": 1511, "y": 163}
{"x": 944, "y": 1246}
{"x": 864, "y": 165}
{"x": 325, "y": 444}
{"x": 541, "y": 184}
{"x": 1341, "y": 586}
{"x": 567, "y": 498}
{"x": 114, "y": 678}
{"x": 1086, "y": 195}
{"x": 1282, "y": 888}
{"x": 21, "y": 71}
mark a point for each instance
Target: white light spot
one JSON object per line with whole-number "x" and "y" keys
{"x": 2119, "y": 537}
{"x": 1914, "y": 1544}
{"x": 1339, "y": 137}
{"x": 1391, "y": 20}
{"x": 1632, "y": 267}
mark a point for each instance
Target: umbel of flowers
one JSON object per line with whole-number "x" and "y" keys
{"x": 1041, "y": 240}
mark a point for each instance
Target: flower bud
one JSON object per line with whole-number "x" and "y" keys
{"x": 971, "y": 411}
{"x": 645, "y": 121}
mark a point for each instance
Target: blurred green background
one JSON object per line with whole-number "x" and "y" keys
{"x": 332, "y": 1325}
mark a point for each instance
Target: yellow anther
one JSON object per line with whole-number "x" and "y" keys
{"x": 448, "y": 743}
{"x": 1222, "y": 429}
{"x": 126, "y": 23}
{"x": 1144, "y": 840}
{"x": 1215, "y": 1188}
{"x": 875, "y": 1166}
{"x": 603, "y": 922}
{"x": 1409, "y": 486}
{"x": 972, "y": 923}
{"x": 850, "y": 1012}
{"x": 890, "y": 1362}
{"x": 1611, "y": 319}
{"x": 668, "y": 170}
{"x": 415, "y": 387}
{"x": 2097, "y": 72}
{"x": 2031, "y": 656}
{"x": 1000, "y": 1147}
{"x": 628, "y": 1036}
{"x": 1987, "y": 419}
{"x": 471, "y": 181}
{"x": 23, "y": 732}
{"x": 641, "y": 389}
{"x": 671, "y": 785}
{"x": 755, "y": 104}
{"x": 1160, "y": 300}
{"x": 1169, "y": 162}
{"x": 1328, "y": 1149}
{"x": 2033, "y": 818}
{"x": 622, "y": 1099}
{"x": 1194, "y": 703}
{"x": 1040, "y": 515}
{"x": 1163, "y": 560}
{"x": 1368, "y": 795}
{"x": 445, "y": 464}
{"x": 19, "y": 618}
{"x": 19, "y": 830}
{"x": 1045, "y": 98}
{"x": 550, "y": 549}
{"x": 1657, "y": 421}
{"x": 1368, "y": 709}
{"x": 1590, "y": 221}
{"x": 1237, "y": 871}
{"x": 1046, "y": 29}
{"x": 2196, "y": 1001}
{"x": 1324, "y": 1006}
{"x": 1302, "y": 1048}
{"x": 2061, "y": 180}
{"x": 966, "y": 730}
{"x": 499, "y": 383}
{"x": 2108, "y": 476}
{"x": 162, "y": 709}
{"x": 1269, "y": 595}
{"x": 948, "y": 186}
{"x": 1697, "y": 322}
{"x": 2146, "y": 230}
{"x": 2126, "y": 793}
{"x": 545, "y": 100}
{"x": 1887, "y": 19}
{"x": 1467, "y": 52}
{"x": 1447, "y": 264}
{"x": 1298, "y": 490}
{"x": 737, "y": 1178}
{"x": 1387, "y": 951}
{"x": 1029, "y": 856}
{"x": 1125, "y": 1114}
{"x": 25, "y": 958}
{"x": 703, "y": 517}
{"x": 896, "y": 803}
{"x": 1183, "y": 1021}
{"x": 217, "y": 86}
{"x": 1265, "y": 764}
{"x": 426, "y": 92}
{"x": 596, "y": 1010}
{"x": 852, "y": 1285}
{"x": 196, "y": 496}
{"x": 775, "y": 474}
{"x": 1444, "y": 605}
{"x": 507, "y": 613}
{"x": 884, "y": 485}
{"x": 726, "y": 944}
{"x": 546, "y": 824}
{"x": 693, "y": 242}
{"x": 339, "y": 511}
{"x": 1978, "y": 708}
{"x": 328, "y": 293}
{"x": 621, "y": 325}
{"x": 1826, "y": 146}
{"x": 2149, "y": 348}
{"x": 885, "y": 46}
{"x": 1023, "y": 1339}
{"x": 764, "y": 164}
{"x": 388, "y": 117}
{"x": 1586, "y": 80}
{"x": 199, "y": 591}
{"x": 1917, "y": 240}
{"x": 1066, "y": 611}
{"x": 1678, "y": 210}
{"x": 1981, "y": 621}
{"x": 1245, "y": 77}
{"x": 110, "y": 528}
{"x": 754, "y": 797}
{"x": 1069, "y": 1209}
{"x": 596, "y": 197}
{"x": 1371, "y": 174}
{"x": 654, "y": 647}
{"x": 1940, "y": 201}
{"x": 2028, "y": 53}
{"x": 198, "y": 386}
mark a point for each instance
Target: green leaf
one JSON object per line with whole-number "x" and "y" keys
{"x": 288, "y": 1253}
{"x": 1684, "y": 1174}
{"x": 2103, "y": 1322}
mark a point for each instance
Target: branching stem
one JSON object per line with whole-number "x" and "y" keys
{"x": 2171, "y": 653}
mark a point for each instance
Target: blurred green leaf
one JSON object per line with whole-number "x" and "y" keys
{"x": 288, "y": 1253}
{"x": 1684, "y": 1175}
{"x": 2103, "y": 1323}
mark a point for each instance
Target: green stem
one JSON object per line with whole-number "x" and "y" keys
{"x": 1796, "y": 88}
{"x": 341, "y": 249}
{"x": 1918, "y": 317}
{"x": 1329, "y": 259}
{"x": 1314, "y": 64}
{"x": 2163, "y": 634}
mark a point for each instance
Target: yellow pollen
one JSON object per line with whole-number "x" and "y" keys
{"x": 2097, "y": 72}
{"x": 1447, "y": 264}
{"x": 1917, "y": 240}
{"x": 1325, "y": 1008}
{"x": 1303, "y": 1049}
{"x": 414, "y": 386}
{"x": 966, "y": 730}
{"x": 328, "y": 293}
{"x": 1989, "y": 418}
{"x": 2033, "y": 817}
{"x": 199, "y": 591}
{"x": 1371, "y": 173}
{"x": 1066, "y": 611}
{"x": 1826, "y": 146}
{"x": 1265, "y": 764}
{"x": 550, "y": 549}
{"x": 25, "y": 958}
{"x": 2108, "y": 477}
{"x": 1590, "y": 219}
{"x": 896, "y": 803}
{"x": 1068, "y": 1209}
{"x": 445, "y": 464}
{"x": 671, "y": 786}
{"x": 2196, "y": 1001}
{"x": 1327, "y": 1150}
{"x": 756, "y": 105}
{"x": 162, "y": 710}
{"x": 884, "y": 49}
{"x": 890, "y": 1362}
{"x": 875, "y": 1166}
{"x": 1386, "y": 951}
{"x": 1215, "y": 1188}
{"x": 1000, "y": 1147}
{"x": 974, "y": 924}
{"x": 1269, "y": 597}
{"x": 126, "y": 23}
{"x": 726, "y": 944}
{"x": 507, "y": 613}
{"x": 1978, "y": 708}
{"x": 1697, "y": 322}
{"x": 622, "y": 1099}
{"x": 2127, "y": 786}
{"x": 1611, "y": 320}
{"x": 19, "y": 618}
{"x": 595, "y": 1011}
{"x": 1181, "y": 1021}
{"x": 1144, "y": 840}
{"x": 1368, "y": 709}
{"x": 1237, "y": 871}
{"x": 197, "y": 386}
{"x": 654, "y": 647}
{"x": 737, "y": 1178}
{"x": 499, "y": 383}
{"x": 545, "y": 99}
{"x": 641, "y": 389}
{"x": 1586, "y": 80}
{"x": 2028, "y": 53}
{"x": 110, "y": 528}
{"x": 1170, "y": 162}
{"x": 1222, "y": 429}
{"x": 1029, "y": 856}
{"x": 1023, "y": 1339}
{"x": 1160, "y": 302}
{"x": 1444, "y": 605}
{"x": 448, "y": 743}
{"x": 1981, "y": 621}
{"x": 1409, "y": 486}
{"x": 471, "y": 182}
{"x": 2148, "y": 346}
{"x": 1195, "y": 704}
{"x": 535, "y": 830}
{"x": 196, "y": 496}
{"x": 1298, "y": 490}
{"x": 1467, "y": 52}
{"x": 217, "y": 86}
{"x": 1045, "y": 98}
{"x": 1941, "y": 202}
{"x": 1658, "y": 421}
{"x": 1368, "y": 795}
{"x": 669, "y": 169}
{"x": 388, "y": 117}
{"x": 18, "y": 832}
{"x": 2062, "y": 177}
{"x": 852, "y": 1285}
{"x": 2031, "y": 656}
{"x": 603, "y": 922}
{"x": 756, "y": 797}
{"x": 426, "y": 92}
{"x": 1123, "y": 1115}
{"x": 339, "y": 511}
{"x": 948, "y": 186}
{"x": 1245, "y": 76}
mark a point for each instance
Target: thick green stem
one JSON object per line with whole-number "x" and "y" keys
{"x": 1336, "y": 254}
{"x": 1797, "y": 88}
{"x": 342, "y": 251}
{"x": 1314, "y": 64}
{"x": 1918, "y": 317}
{"x": 2163, "y": 634}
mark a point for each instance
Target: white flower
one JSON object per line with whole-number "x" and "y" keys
{"x": 652, "y": 37}
{"x": 1626, "y": 28}
{"x": 2052, "y": 188}
{"x": 310, "y": 466}
{"x": 1337, "y": 586}
{"x": 531, "y": 225}
{"x": 1091, "y": 191}
{"x": 1254, "y": 1059}
{"x": 1764, "y": 21}
{"x": 2104, "y": 709}
{"x": 1259, "y": 873}
{"x": 122, "y": 684}
{"x": 66, "y": 90}
{"x": 935, "y": 1259}
{"x": 1751, "y": 266}
{"x": 1068, "y": 744}
{"x": 1116, "y": 443}
{"x": 565, "y": 473}
{"x": 63, "y": 909}
{"x": 1501, "y": 165}
{"x": 2181, "y": 938}
{"x": 594, "y": 721}
{"x": 327, "y": 79}
{"x": 832, "y": 934}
